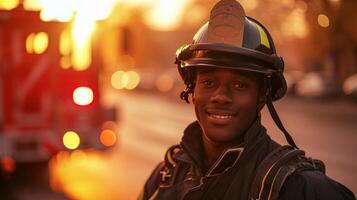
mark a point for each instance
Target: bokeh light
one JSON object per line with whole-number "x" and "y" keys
{"x": 323, "y": 20}
{"x": 8, "y": 164}
{"x": 71, "y": 140}
{"x": 9, "y": 4}
{"x": 125, "y": 80}
{"x": 133, "y": 80}
{"x": 117, "y": 80}
{"x": 32, "y": 5}
{"x": 350, "y": 85}
{"x": 29, "y": 43}
{"x": 82, "y": 51}
{"x": 83, "y": 96}
{"x": 108, "y": 137}
{"x": 40, "y": 42}
{"x": 36, "y": 43}
{"x": 57, "y": 10}
{"x": 65, "y": 45}
{"x": 65, "y": 62}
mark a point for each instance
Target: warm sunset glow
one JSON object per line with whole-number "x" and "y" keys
{"x": 84, "y": 14}
{"x": 166, "y": 15}
{"x": 336, "y": 2}
{"x": 108, "y": 137}
{"x": 127, "y": 61}
{"x": 54, "y": 10}
{"x": 295, "y": 24}
{"x": 164, "y": 83}
{"x": 34, "y": 5}
{"x": 79, "y": 157}
{"x": 288, "y": 3}
{"x": 83, "y": 96}
{"x": 88, "y": 12}
{"x": 302, "y": 5}
{"x": 9, "y": 4}
{"x": 249, "y": 4}
{"x": 96, "y": 9}
{"x": 71, "y": 140}
{"x": 62, "y": 156}
{"x": 72, "y": 173}
{"x": 82, "y": 30}
{"x": 65, "y": 10}
{"x": 137, "y": 2}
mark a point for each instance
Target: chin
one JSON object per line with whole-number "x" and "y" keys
{"x": 220, "y": 135}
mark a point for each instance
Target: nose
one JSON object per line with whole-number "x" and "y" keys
{"x": 222, "y": 95}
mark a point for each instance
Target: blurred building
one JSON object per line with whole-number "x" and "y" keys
{"x": 316, "y": 36}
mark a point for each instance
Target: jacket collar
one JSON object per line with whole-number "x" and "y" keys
{"x": 226, "y": 161}
{"x": 194, "y": 151}
{"x": 192, "y": 144}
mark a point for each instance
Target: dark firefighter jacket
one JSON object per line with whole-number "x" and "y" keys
{"x": 232, "y": 175}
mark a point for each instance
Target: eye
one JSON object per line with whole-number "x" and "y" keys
{"x": 208, "y": 83}
{"x": 240, "y": 85}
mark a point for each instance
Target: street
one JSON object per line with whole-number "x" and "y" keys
{"x": 150, "y": 123}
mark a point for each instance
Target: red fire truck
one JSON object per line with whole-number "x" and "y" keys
{"x": 45, "y": 108}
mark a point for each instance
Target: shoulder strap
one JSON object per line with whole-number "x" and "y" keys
{"x": 167, "y": 172}
{"x": 170, "y": 155}
{"x": 276, "y": 167}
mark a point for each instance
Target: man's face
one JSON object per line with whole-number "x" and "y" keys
{"x": 226, "y": 103}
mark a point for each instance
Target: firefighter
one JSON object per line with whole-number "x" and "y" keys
{"x": 231, "y": 71}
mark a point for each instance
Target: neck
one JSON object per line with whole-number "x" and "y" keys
{"x": 212, "y": 153}
{"x": 214, "y": 150}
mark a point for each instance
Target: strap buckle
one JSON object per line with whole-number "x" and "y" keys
{"x": 165, "y": 174}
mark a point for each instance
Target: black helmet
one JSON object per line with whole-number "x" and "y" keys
{"x": 232, "y": 40}
{"x": 235, "y": 41}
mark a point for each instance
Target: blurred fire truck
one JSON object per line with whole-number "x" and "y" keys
{"x": 45, "y": 104}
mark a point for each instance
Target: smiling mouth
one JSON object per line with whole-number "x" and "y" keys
{"x": 220, "y": 117}
{"x": 216, "y": 116}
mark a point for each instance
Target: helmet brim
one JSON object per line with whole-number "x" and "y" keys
{"x": 207, "y": 63}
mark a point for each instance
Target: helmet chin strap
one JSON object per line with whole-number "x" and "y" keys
{"x": 275, "y": 116}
